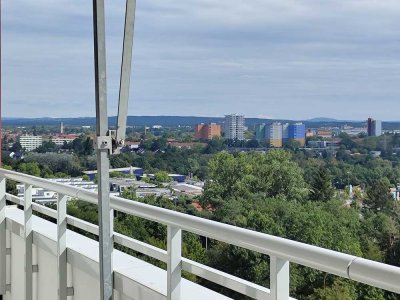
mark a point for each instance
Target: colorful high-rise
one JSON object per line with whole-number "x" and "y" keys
{"x": 273, "y": 135}
{"x": 297, "y": 132}
{"x": 207, "y": 131}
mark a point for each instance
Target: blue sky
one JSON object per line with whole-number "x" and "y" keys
{"x": 293, "y": 59}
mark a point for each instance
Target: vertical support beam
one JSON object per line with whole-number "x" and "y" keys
{"x": 105, "y": 233}
{"x": 3, "y": 245}
{"x": 28, "y": 235}
{"x": 174, "y": 266}
{"x": 279, "y": 278}
{"x": 126, "y": 69}
{"x": 62, "y": 246}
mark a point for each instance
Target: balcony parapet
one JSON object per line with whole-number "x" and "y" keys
{"x": 282, "y": 252}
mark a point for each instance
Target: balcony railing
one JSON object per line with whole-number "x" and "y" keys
{"x": 282, "y": 252}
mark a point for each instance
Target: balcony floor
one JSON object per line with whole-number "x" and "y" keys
{"x": 133, "y": 278}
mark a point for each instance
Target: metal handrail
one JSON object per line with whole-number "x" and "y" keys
{"x": 348, "y": 266}
{"x": 231, "y": 282}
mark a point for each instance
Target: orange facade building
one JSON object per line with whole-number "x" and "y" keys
{"x": 207, "y": 131}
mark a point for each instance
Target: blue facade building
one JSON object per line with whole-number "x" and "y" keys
{"x": 297, "y": 132}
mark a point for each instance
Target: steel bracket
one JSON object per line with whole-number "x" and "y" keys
{"x": 116, "y": 143}
{"x": 103, "y": 143}
{"x": 70, "y": 291}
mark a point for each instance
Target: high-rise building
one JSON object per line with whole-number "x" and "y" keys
{"x": 207, "y": 131}
{"x": 260, "y": 132}
{"x": 30, "y": 142}
{"x": 285, "y": 133}
{"x": 369, "y": 126}
{"x": 273, "y": 135}
{"x": 234, "y": 127}
{"x": 374, "y": 127}
{"x": 297, "y": 132}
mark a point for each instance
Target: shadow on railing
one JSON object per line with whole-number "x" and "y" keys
{"x": 281, "y": 251}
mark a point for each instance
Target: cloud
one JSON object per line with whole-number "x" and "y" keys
{"x": 287, "y": 58}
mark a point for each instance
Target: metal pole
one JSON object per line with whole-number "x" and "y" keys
{"x": 174, "y": 264}
{"x": 279, "y": 278}
{"x": 28, "y": 241}
{"x": 62, "y": 246}
{"x": 126, "y": 69}
{"x": 3, "y": 247}
{"x": 103, "y": 144}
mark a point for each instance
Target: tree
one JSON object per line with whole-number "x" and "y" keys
{"x": 162, "y": 176}
{"x": 116, "y": 174}
{"x": 252, "y": 144}
{"x": 379, "y": 197}
{"x": 82, "y": 145}
{"x": 214, "y": 146}
{"x": 292, "y": 144}
{"x": 321, "y": 186}
{"x": 47, "y": 146}
{"x": 31, "y": 168}
{"x": 65, "y": 163}
{"x": 272, "y": 174}
{"x": 16, "y": 147}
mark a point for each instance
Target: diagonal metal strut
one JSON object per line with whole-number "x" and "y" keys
{"x": 125, "y": 71}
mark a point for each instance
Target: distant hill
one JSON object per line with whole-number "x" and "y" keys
{"x": 175, "y": 121}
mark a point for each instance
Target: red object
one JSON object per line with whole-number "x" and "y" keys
{"x": 1, "y": 136}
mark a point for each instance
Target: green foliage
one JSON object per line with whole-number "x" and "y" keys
{"x": 47, "y": 146}
{"x": 272, "y": 174}
{"x": 31, "y": 168}
{"x": 116, "y": 174}
{"x": 379, "y": 197}
{"x": 215, "y": 145}
{"x": 321, "y": 186}
{"x": 162, "y": 177}
{"x": 54, "y": 163}
{"x": 81, "y": 146}
{"x": 16, "y": 147}
{"x": 340, "y": 289}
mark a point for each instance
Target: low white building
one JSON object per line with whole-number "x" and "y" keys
{"x": 42, "y": 195}
{"x": 63, "y": 138}
{"x": 30, "y": 142}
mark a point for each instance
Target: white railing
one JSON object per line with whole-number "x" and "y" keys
{"x": 281, "y": 251}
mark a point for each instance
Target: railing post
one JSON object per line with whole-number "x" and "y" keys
{"x": 279, "y": 278}
{"x": 174, "y": 264}
{"x": 3, "y": 246}
{"x": 62, "y": 246}
{"x": 103, "y": 148}
{"x": 28, "y": 235}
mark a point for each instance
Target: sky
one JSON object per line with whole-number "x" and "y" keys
{"x": 292, "y": 59}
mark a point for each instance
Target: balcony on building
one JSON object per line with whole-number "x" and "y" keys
{"x": 41, "y": 259}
